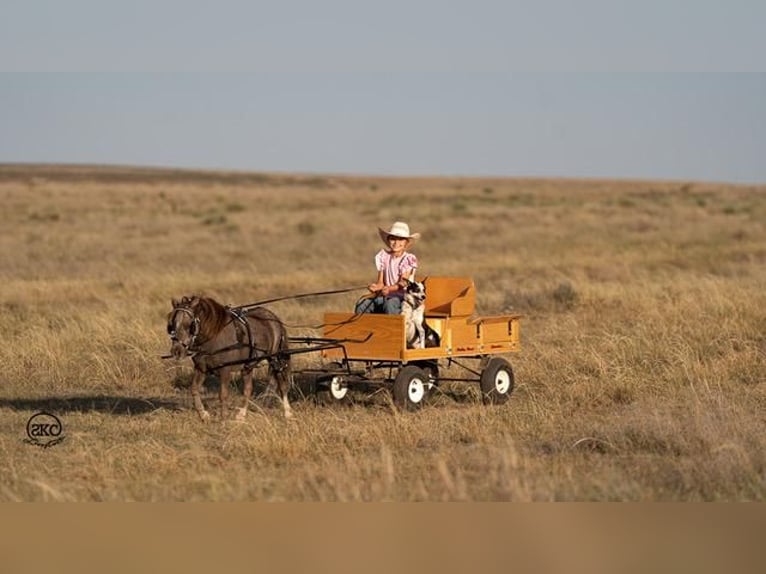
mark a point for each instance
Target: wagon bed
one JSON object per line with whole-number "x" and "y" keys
{"x": 450, "y": 304}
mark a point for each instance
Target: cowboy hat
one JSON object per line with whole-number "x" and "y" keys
{"x": 398, "y": 229}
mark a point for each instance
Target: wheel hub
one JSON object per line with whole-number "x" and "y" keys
{"x": 502, "y": 382}
{"x": 338, "y": 388}
{"x": 416, "y": 390}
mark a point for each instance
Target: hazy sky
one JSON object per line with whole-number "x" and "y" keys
{"x": 672, "y": 89}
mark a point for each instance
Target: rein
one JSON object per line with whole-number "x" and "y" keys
{"x": 298, "y": 296}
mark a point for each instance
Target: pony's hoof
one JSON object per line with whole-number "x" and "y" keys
{"x": 241, "y": 415}
{"x": 204, "y": 416}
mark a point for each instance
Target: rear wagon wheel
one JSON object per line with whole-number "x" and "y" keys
{"x": 410, "y": 388}
{"x": 496, "y": 381}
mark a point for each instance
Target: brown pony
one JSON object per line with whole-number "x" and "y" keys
{"x": 224, "y": 339}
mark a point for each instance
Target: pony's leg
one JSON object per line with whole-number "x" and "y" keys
{"x": 196, "y": 383}
{"x": 285, "y": 402}
{"x": 280, "y": 373}
{"x": 223, "y": 393}
{"x": 247, "y": 391}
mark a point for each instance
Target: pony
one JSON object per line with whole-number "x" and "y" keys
{"x": 226, "y": 339}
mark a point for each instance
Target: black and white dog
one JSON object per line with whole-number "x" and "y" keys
{"x": 417, "y": 332}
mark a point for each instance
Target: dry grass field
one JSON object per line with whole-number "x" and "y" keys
{"x": 642, "y": 374}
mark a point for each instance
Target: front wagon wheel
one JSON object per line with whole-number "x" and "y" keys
{"x": 338, "y": 388}
{"x": 410, "y": 388}
{"x": 335, "y": 389}
{"x": 496, "y": 381}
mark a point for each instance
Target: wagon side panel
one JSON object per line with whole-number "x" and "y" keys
{"x": 500, "y": 333}
{"x": 465, "y": 338}
{"x": 368, "y": 336}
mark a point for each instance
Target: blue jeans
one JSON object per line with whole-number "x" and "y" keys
{"x": 380, "y": 304}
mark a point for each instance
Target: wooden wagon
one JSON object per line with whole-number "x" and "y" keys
{"x": 371, "y": 348}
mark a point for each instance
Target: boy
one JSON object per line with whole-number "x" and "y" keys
{"x": 395, "y": 266}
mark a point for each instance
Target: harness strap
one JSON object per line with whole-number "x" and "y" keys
{"x": 241, "y": 318}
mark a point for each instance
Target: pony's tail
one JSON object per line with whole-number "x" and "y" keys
{"x": 284, "y": 354}
{"x": 284, "y": 344}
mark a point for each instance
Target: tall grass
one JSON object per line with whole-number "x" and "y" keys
{"x": 642, "y": 374}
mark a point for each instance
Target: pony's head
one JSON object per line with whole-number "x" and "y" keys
{"x": 183, "y": 326}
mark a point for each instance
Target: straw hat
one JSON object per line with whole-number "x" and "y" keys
{"x": 398, "y": 229}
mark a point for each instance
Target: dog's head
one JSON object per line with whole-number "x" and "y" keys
{"x": 415, "y": 293}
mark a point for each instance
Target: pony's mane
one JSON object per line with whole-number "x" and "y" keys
{"x": 213, "y": 316}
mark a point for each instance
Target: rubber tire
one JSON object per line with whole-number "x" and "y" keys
{"x": 410, "y": 387}
{"x": 496, "y": 382}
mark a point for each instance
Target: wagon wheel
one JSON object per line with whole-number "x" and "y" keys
{"x": 410, "y": 388}
{"x": 336, "y": 390}
{"x": 431, "y": 369}
{"x": 496, "y": 381}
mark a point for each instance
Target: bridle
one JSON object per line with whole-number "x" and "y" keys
{"x": 193, "y": 328}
